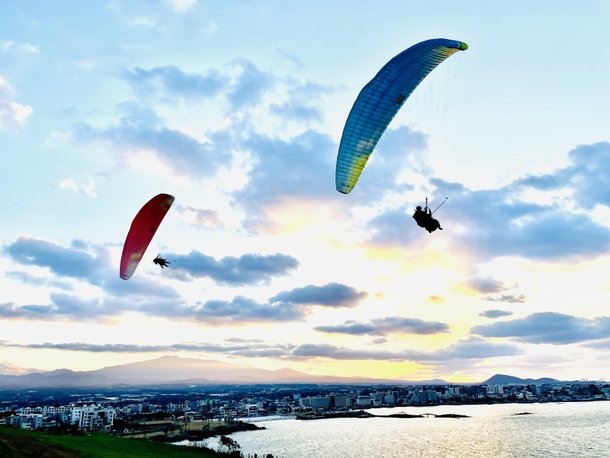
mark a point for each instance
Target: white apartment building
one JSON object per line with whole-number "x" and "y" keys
{"x": 92, "y": 417}
{"x": 364, "y": 400}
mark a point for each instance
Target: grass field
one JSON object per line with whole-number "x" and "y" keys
{"x": 18, "y": 443}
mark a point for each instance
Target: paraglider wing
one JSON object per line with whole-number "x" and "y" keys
{"x": 380, "y": 100}
{"x": 141, "y": 232}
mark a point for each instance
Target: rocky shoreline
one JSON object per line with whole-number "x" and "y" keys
{"x": 199, "y": 435}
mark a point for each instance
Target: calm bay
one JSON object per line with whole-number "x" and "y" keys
{"x": 571, "y": 429}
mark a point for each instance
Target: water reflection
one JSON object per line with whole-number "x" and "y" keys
{"x": 552, "y": 430}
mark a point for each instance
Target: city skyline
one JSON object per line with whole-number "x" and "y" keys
{"x": 237, "y": 111}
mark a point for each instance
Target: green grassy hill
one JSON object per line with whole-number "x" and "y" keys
{"x": 18, "y": 443}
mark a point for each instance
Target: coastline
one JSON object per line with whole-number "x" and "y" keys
{"x": 364, "y": 414}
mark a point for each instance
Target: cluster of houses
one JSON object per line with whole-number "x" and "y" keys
{"x": 91, "y": 417}
{"x": 264, "y": 400}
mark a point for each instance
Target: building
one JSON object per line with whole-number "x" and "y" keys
{"x": 26, "y": 421}
{"x": 424, "y": 397}
{"x": 364, "y": 400}
{"x": 342, "y": 401}
{"x": 92, "y": 417}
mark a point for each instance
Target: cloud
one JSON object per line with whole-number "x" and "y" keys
{"x": 285, "y": 306}
{"x": 79, "y": 261}
{"x": 548, "y": 327}
{"x": 173, "y": 83}
{"x": 294, "y": 110}
{"x": 485, "y": 285}
{"x": 473, "y": 348}
{"x": 92, "y": 264}
{"x": 281, "y": 169}
{"x": 587, "y": 175}
{"x": 495, "y": 313}
{"x": 181, "y": 6}
{"x": 201, "y": 217}
{"x": 12, "y": 114}
{"x": 393, "y": 227}
{"x": 25, "y": 277}
{"x": 88, "y": 189}
{"x": 24, "y": 48}
{"x": 509, "y": 222}
{"x": 600, "y": 344}
{"x": 462, "y": 351}
{"x": 247, "y": 269}
{"x": 513, "y": 298}
{"x": 299, "y": 106}
{"x": 242, "y": 84}
{"x": 246, "y": 350}
{"x": 384, "y": 326}
{"x": 312, "y": 351}
{"x": 331, "y": 295}
{"x": 241, "y": 310}
{"x": 301, "y": 168}
{"x": 144, "y": 298}
{"x": 488, "y": 285}
{"x": 250, "y": 86}
{"x": 141, "y": 130}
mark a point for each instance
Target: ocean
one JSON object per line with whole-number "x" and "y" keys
{"x": 570, "y": 429}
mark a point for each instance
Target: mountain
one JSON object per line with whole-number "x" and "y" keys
{"x": 176, "y": 370}
{"x": 56, "y": 378}
{"x": 501, "y": 379}
{"x": 10, "y": 369}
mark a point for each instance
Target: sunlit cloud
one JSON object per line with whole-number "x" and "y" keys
{"x": 142, "y": 130}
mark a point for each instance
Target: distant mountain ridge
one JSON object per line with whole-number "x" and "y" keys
{"x": 176, "y": 370}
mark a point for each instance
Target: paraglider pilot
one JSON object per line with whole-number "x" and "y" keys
{"x": 424, "y": 219}
{"x": 161, "y": 261}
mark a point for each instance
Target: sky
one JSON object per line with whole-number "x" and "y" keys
{"x": 237, "y": 108}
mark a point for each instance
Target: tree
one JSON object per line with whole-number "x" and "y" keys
{"x": 231, "y": 446}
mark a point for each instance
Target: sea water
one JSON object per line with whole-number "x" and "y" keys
{"x": 571, "y": 429}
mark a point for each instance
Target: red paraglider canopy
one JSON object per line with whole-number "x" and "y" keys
{"x": 141, "y": 232}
